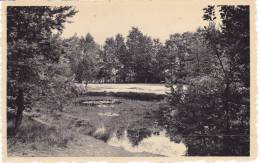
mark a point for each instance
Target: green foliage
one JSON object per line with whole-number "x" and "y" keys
{"x": 236, "y": 36}
{"x": 198, "y": 117}
{"x": 122, "y": 58}
{"x": 139, "y": 47}
{"x": 83, "y": 55}
{"x": 109, "y": 60}
{"x": 31, "y": 46}
{"x": 208, "y": 107}
{"x": 140, "y": 58}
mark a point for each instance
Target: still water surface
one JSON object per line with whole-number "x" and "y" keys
{"x": 131, "y": 125}
{"x": 155, "y": 144}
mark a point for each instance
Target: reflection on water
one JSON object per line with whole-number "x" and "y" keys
{"x": 145, "y": 141}
{"x": 109, "y": 114}
{"x": 137, "y": 135}
{"x": 100, "y": 102}
{"x": 134, "y": 128}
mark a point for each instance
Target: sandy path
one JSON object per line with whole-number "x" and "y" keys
{"x": 136, "y": 88}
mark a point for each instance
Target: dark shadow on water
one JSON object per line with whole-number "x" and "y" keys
{"x": 137, "y": 135}
{"x": 130, "y": 95}
{"x": 146, "y": 140}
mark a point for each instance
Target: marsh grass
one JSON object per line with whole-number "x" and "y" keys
{"x": 70, "y": 127}
{"x": 102, "y": 133}
{"x": 35, "y": 133}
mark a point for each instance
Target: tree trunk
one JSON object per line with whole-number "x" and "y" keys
{"x": 227, "y": 146}
{"x": 198, "y": 62}
{"x": 226, "y": 105}
{"x": 20, "y": 109}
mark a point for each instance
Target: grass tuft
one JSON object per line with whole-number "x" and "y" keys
{"x": 35, "y": 133}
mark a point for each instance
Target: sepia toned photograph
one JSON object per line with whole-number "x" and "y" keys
{"x": 128, "y": 79}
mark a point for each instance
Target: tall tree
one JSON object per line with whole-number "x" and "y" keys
{"x": 157, "y": 64}
{"x": 29, "y": 31}
{"x": 110, "y": 60}
{"x": 83, "y": 54}
{"x": 176, "y": 49}
{"x": 123, "y": 58}
{"x": 231, "y": 46}
{"x": 212, "y": 114}
{"x": 139, "y": 47}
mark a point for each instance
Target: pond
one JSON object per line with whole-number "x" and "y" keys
{"x": 158, "y": 143}
{"x": 100, "y": 102}
{"x": 129, "y": 124}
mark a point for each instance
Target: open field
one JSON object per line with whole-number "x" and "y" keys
{"x": 135, "y": 88}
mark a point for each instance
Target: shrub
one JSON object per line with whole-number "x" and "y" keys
{"x": 200, "y": 118}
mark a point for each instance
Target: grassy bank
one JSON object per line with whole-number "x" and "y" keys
{"x": 37, "y": 139}
{"x": 80, "y": 129}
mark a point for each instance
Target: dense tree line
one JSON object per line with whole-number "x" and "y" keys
{"x": 138, "y": 58}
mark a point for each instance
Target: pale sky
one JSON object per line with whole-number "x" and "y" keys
{"x": 154, "y": 18}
